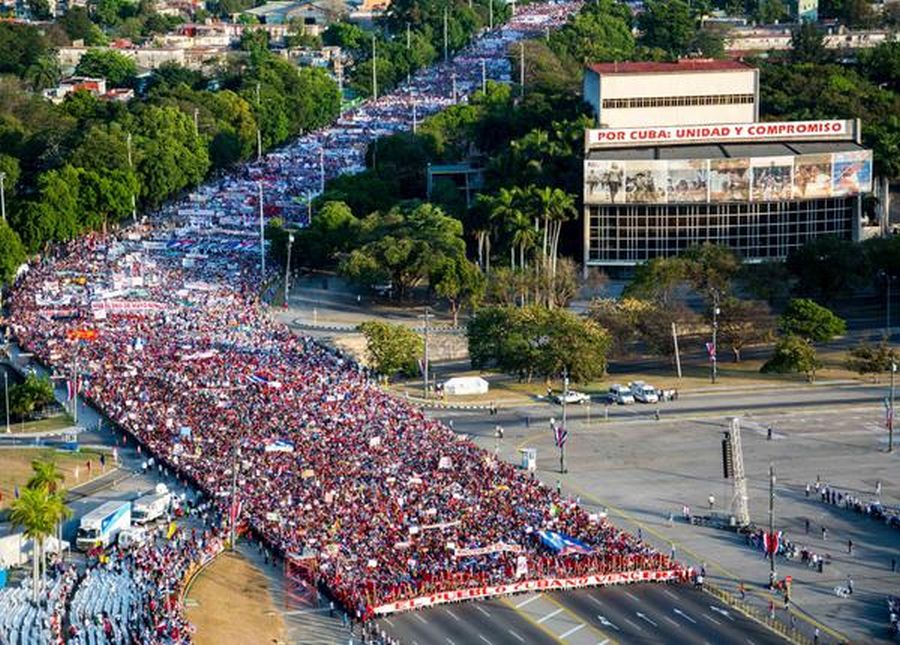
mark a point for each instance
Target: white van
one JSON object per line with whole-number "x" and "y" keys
{"x": 620, "y": 394}
{"x": 644, "y": 393}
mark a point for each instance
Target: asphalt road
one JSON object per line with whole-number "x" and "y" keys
{"x": 642, "y": 613}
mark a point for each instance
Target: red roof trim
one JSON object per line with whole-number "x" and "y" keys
{"x": 687, "y": 65}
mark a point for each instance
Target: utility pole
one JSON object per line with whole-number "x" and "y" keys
{"x": 2, "y": 196}
{"x": 196, "y": 121}
{"x": 715, "y": 328}
{"x": 453, "y": 86}
{"x": 445, "y": 34}
{"x": 891, "y": 411}
{"x": 772, "y": 575}
{"x": 374, "y": 71}
{"x": 258, "y": 128}
{"x": 491, "y": 15}
{"x": 321, "y": 170}
{"x": 6, "y": 397}
{"x": 232, "y": 519}
{"x": 887, "y": 311}
{"x": 408, "y": 35}
{"x": 287, "y": 268}
{"x": 677, "y": 353}
{"x": 74, "y": 386}
{"x": 130, "y": 167}
{"x": 483, "y": 76}
{"x": 521, "y": 68}
{"x": 415, "y": 123}
{"x": 262, "y": 232}
{"x": 425, "y": 361}
{"x": 565, "y": 429}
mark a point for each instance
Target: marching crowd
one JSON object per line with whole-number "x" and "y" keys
{"x": 291, "y": 175}
{"x": 850, "y": 501}
{"x": 293, "y": 439}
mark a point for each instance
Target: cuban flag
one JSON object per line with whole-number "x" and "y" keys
{"x": 711, "y": 350}
{"x": 562, "y": 544}
{"x": 236, "y": 507}
{"x": 261, "y": 379}
{"x": 771, "y": 542}
{"x": 560, "y": 435}
{"x": 71, "y": 388}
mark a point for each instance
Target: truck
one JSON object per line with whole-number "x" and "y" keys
{"x": 151, "y": 506}
{"x": 102, "y": 526}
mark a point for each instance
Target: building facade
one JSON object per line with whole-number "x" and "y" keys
{"x": 635, "y": 94}
{"x": 762, "y": 189}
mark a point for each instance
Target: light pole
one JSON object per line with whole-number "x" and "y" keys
{"x": 131, "y": 167}
{"x": 6, "y": 397}
{"x": 564, "y": 434}
{"x": 891, "y": 417}
{"x": 262, "y": 232}
{"x": 713, "y": 350}
{"x": 374, "y": 71}
{"x": 321, "y": 170}
{"x": 772, "y": 574}
{"x": 287, "y": 268}
{"x": 426, "y": 316}
{"x": 232, "y": 519}
{"x": 2, "y": 196}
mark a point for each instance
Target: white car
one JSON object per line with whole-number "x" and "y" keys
{"x": 644, "y": 393}
{"x": 572, "y": 397}
{"x": 133, "y": 537}
{"x": 620, "y": 394}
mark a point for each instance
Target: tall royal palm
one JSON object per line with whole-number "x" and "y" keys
{"x": 35, "y": 512}
{"x": 506, "y": 207}
{"x": 46, "y": 475}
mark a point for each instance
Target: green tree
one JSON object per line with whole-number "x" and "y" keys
{"x": 669, "y": 25}
{"x": 458, "y": 281}
{"x": 768, "y": 12}
{"x": 881, "y": 64}
{"x": 170, "y": 154}
{"x": 118, "y": 69}
{"x": 32, "y": 394}
{"x": 872, "y": 359}
{"x": 78, "y": 26}
{"x": 392, "y": 349}
{"x": 21, "y": 45}
{"x": 46, "y": 475}
{"x": 12, "y": 253}
{"x": 793, "y": 354}
{"x": 34, "y": 511}
{"x": 332, "y": 233}
{"x": 808, "y": 44}
{"x": 404, "y": 246}
{"x": 810, "y": 321}
{"x": 43, "y": 73}
{"x": 657, "y": 280}
{"x": 710, "y": 268}
{"x": 827, "y": 267}
{"x": 743, "y": 323}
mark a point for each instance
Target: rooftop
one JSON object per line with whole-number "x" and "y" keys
{"x": 724, "y": 150}
{"x": 684, "y": 65}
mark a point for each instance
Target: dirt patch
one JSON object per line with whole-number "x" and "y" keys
{"x": 230, "y": 603}
{"x": 15, "y": 468}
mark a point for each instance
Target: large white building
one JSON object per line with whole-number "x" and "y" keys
{"x": 680, "y": 158}
{"x": 635, "y": 94}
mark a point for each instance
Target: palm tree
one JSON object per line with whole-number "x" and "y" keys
{"x": 505, "y": 207}
{"x": 35, "y": 512}
{"x": 49, "y": 478}
{"x": 522, "y": 234}
{"x": 560, "y": 208}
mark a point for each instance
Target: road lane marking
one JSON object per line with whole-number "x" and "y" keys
{"x": 603, "y": 642}
{"x": 525, "y": 602}
{"x": 606, "y": 623}
{"x": 644, "y": 617}
{"x": 724, "y": 612}
{"x": 683, "y": 615}
{"x": 708, "y": 617}
{"x": 633, "y": 624}
{"x": 670, "y": 594}
{"x": 516, "y": 636}
{"x": 420, "y": 619}
{"x": 632, "y": 596}
{"x": 455, "y": 617}
{"x": 570, "y": 632}
{"x": 482, "y": 610}
{"x": 485, "y": 640}
{"x": 549, "y": 616}
{"x": 449, "y": 640}
{"x": 388, "y": 621}
{"x": 596, "y": 601}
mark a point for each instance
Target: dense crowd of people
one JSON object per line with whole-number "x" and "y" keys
{"x": 873, "y": 508}
{"x": 386, "y": 503}
{"x": 23, "y": 622}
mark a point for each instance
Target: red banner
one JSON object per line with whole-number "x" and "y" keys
{"x": 550, "y": 584}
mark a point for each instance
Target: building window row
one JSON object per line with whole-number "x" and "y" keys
{"x": 679, "y": 101}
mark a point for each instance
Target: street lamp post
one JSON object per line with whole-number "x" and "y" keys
{"x": 6, "y": 397}
{"x": 715, "y": 328}
{"x": 772, "y": 574}
{"x": 287, "y": 268}
{"x": 2, "y": 196}
{"x": 891, "y": 412}
{"x": 565, "y": 429}
{"x": 262, "y": 231}
{"x": 425, "y": 316}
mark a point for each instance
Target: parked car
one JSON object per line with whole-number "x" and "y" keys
{"x": 572, "y": 397}
{"x": 620, "y": 394}
{"x": 643, "y": 392}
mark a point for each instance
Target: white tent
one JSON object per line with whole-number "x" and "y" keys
{"x": 462, "y": 385}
